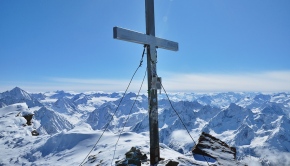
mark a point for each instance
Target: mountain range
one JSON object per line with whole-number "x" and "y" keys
{"x": 69, "y": 124}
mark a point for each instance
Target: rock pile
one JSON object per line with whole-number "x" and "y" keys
{"x": 134, "y": 157}
{"x": 214, "y": 149}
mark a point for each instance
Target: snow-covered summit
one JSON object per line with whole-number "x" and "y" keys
{"x": 51, "y": 122}
{"x": 17, "y": 95}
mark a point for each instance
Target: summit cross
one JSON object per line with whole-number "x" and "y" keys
{"x": 154, "y": 82}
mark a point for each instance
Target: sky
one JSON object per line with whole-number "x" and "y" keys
{"x": 224, "y": 45}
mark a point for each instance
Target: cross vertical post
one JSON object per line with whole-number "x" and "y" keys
{"x": 152, "y": 93}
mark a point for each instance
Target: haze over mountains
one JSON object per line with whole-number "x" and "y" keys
{"x": 69, "y": 124}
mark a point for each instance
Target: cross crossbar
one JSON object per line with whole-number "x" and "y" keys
{"x": 140, "y": 38}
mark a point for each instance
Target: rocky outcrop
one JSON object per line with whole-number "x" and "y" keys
{"x": 28, "y": 118}
{"x": 134, "y": 156}
{"x": 168, "y": 163}
{"x": 212, "y": 148}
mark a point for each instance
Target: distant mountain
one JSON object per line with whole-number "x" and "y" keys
{"x": 51, "y": 122}
{"x": 81, "y": 99}
{"x": 38, "y": 96}
{"x": 100, "y": 117}
{"x": 60, "y": 94}
{"x": 18, "y": 95}
{"x": 65, "y": 105}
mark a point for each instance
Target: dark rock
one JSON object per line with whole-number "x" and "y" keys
{"x": 129, "y": 155}
{"x": 34, "y": 133}
{"x": 134, "y": 156}
{"x": 92, "y": 158}
{"x": 172, "y": 163}
{"x": 120, "y": 163}
{"x": 28, "y": 118}
{"x": 144, "y": 157}
{"x": 214, "y": 148}
{"x": 134, "y": 161}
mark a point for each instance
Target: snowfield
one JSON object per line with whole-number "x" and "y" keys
{"x": 69, "y": 125}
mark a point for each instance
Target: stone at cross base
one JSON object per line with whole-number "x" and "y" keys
{"x": 133, "y": 156}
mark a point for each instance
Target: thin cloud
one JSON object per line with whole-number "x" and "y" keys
{"x": 274, "y": 81}
{"x": 87, "y": 81}
{"x": 264, "y": 82}
{"x": 108, "y": 85}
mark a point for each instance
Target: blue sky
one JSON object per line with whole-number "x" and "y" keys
{"x": 225, "y": 45}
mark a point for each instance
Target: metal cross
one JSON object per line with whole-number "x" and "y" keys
{"x": 154, "y": 82}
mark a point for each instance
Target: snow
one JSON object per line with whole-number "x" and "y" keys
{"x": 259, "y": 141}
{"x": 70, "y": 124}
{"x": 101, "y": 100}
{"x": 180, "y": 135}
{"x": 48, "y": 100}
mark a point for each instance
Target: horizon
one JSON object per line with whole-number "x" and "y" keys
{"x": 145, "y": 93}
{"x": 68, "y": 45}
